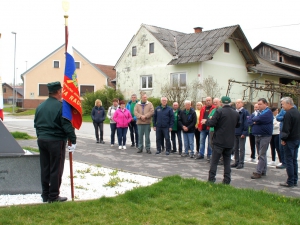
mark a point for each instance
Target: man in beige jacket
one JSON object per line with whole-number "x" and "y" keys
{"x": 144, "y": 111}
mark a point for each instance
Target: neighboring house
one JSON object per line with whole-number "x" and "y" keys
{"x": 156, "y": 56}
{"x": 8, "y": 94}
{"x": 90, "y": 77}
{"x": 110, "y": 72}
{"x": 276, "y": 63}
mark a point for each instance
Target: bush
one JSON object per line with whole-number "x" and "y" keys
{"x": 106, "y": 95}
{"x": 154, "y": 101}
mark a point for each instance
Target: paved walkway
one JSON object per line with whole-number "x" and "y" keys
{"x": 161, "y": 165}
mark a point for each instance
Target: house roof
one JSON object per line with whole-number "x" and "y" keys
{"x": 270, "y": 68}
{"x": 56, "y": 51}
{"x": 285, "y": 51}
{"x": 19, "y": 89}
{"x": 108, "y": 70}
{"x": 198, "y": 47}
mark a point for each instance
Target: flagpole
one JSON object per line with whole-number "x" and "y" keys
{"x": 66, "y": 6}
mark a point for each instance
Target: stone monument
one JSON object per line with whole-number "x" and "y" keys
{"x": 19, "y": 173}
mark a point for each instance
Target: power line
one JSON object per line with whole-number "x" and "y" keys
{"x": 287, "y": 25}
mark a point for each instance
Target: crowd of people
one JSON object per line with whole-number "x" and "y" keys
{"x": 223, "y": 127}
{"x": 214, "y": 130}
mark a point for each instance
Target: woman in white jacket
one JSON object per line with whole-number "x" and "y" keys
{"x": 113, "y": 126}
{"x": 274, "y": 143}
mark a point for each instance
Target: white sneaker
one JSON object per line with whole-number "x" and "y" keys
{"x": 112, "y": 145}
{"x": 120, "y": 147}
{"x": 252, "y": 160}
{"x": 272, "y": 163}
{"x": 124, "y": 147}
{"x": 280, "y": 164}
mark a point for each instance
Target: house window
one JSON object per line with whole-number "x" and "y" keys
{"x": 280, "y": 58}
{"x": 146, "y": 82}
{"x": 134, "y": 51}
{"x": 43, "y": 90}
{"x": 77, "y": 64}
{"x": 56, "y": 64}
{"x": 178, "y": 79}
{"x": 151, "y": 48}
{"x": 86, "y": 88}
{"x": 4, "y": 90}
{"x": 226, "y": 47}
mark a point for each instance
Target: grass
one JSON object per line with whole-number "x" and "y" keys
{"x": 173, "y": 200}
{"x": 21, "y": 135}
{"x": 31, "y": 149}
{"x": 19, "y": 111}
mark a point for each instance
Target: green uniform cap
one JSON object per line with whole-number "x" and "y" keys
{"x": 54, "y": 86}
{"x": 225, "y": 100}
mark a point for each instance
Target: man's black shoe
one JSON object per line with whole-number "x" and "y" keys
{"x": 102, "y": 142}
{"x": 58, "y": 199}
{"x": 148, "y": 151}
{"x": 286, "y": 185}
{"x": 173, "y": 151}
{"x": 158, "y": 152}
{"x": 240, "y": 166}
{"x": 234, "y": 165}
{"x": 139, "y": 151}
{"x": 45, "y": 199}
{"x": 97, "y": 141}
{"x": 132, "y": 145}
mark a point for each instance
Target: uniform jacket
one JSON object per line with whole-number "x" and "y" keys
{"x": 163, "y": 117}
{"x": 225, "y": 120}
{"x": 146, "y": 109}
{"x": 122, "y": 118}
{"x": 244, "y": 126}
{"x": 263, "y": 123}
{"x": 49, "y": 123}
{"x": 98, "y": 114}
{"x": 189, "y": 120}
{"x": 202, "y": 112}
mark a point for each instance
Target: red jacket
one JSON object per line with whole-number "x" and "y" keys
{"x": 202, "y": 112}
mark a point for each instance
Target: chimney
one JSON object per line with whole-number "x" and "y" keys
{"x": 198, "y": 29}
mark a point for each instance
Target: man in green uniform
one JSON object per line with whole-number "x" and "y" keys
{"x": 52, "y": 131}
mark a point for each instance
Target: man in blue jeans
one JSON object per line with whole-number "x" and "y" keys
{"x": 186, "y": 121}
{"x": 163, "y": 121}
{"x": 204, "y": 129}
{"x": 290, "y": 137}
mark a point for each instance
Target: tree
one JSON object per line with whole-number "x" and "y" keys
{"x": 175, "y": 94}
{"x": 211, "y": 87}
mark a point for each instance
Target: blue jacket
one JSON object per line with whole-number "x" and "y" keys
{"x": 263, "y": 123}
{"x": 244, "y": 126}
{"x": 128, "y": 107}
{"x": 163, "y": 117}
{"x": 98, "y": 114}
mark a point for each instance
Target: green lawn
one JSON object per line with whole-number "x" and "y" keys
{"x": 174, "y": 200}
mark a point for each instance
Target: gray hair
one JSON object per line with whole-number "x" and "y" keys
{"x": 187, "y": 101}
{"x": 163, "y": 97}
{"x": 133, "y": 95}
{"x": 287, "y": 100}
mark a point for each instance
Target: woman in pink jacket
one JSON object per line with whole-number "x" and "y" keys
{"x": 122, "y": 117}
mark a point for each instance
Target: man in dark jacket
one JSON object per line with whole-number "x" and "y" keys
{"x": 163, "y": 121}
{"x": 176, "y": 130}
{"x": 224, "y": 121}
{"x": 186, "y": 121}
{"x": 290, "y": 137}
{"x": 98, "y": 117}
{"x": 240, "y": 135}
{"x": 52, "y": 131}
{"x": 262, "y": 129}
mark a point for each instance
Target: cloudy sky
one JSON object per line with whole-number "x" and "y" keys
{"x": 101, "y": 29}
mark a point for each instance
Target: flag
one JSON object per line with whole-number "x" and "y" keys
{"x": 71, "y": 100}
{"x": 1, "y": 100}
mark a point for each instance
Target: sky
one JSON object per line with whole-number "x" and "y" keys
{"x": 101, "y": 29}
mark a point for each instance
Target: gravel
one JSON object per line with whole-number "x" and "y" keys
{"x": 90, "y": 182}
